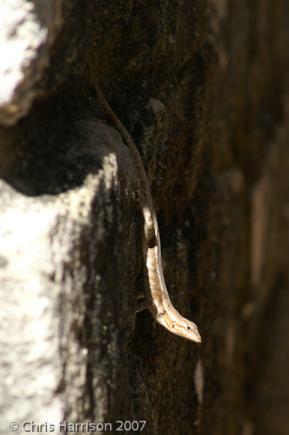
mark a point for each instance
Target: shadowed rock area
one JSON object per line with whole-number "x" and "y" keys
{"x": 203, "y": 90}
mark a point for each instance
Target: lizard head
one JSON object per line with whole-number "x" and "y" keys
{"x": 178, "y": 325}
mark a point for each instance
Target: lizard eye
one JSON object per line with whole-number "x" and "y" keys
{"x": 188, "y": 327}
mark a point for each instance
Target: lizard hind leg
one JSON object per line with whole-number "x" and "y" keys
{"x": 140, "y": 295}
{"x": 143, "y": 303}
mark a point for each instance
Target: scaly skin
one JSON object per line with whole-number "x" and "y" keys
{"x": 161, "y": 306}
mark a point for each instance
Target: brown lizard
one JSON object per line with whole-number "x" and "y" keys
{"x": 159, "y": 303}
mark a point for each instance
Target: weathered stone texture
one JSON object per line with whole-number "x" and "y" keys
{"x": 203, "y": 89}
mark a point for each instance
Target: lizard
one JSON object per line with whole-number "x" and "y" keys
{"x": 159, "y": 302}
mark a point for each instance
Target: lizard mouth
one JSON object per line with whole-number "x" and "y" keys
{"x": 184, "y": 328}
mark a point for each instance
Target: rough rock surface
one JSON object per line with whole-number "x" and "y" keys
{"x": 203, "y": 89}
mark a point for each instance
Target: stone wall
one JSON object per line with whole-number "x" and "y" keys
{"x": 203, "y": 90}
